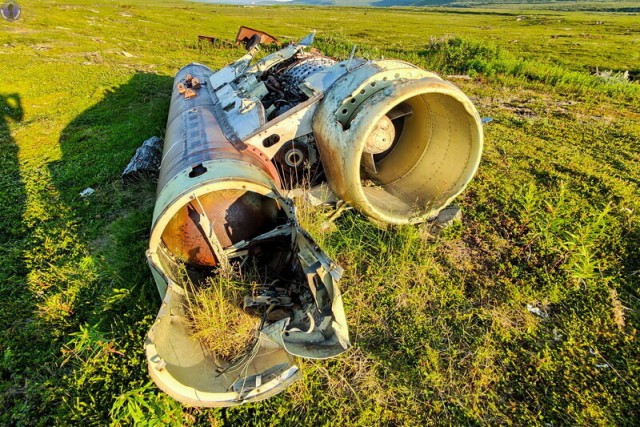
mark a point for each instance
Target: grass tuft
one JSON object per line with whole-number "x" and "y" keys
{"x": 218, "y": 318}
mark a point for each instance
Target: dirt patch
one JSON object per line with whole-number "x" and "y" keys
{"x": 41, "y": 47}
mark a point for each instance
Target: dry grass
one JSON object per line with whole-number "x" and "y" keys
{"x": 618, "y": 309}
{"x": 218, "y": 319}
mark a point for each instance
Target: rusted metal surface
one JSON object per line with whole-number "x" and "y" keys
{"x": 194, "y": 138}
{"x": 248, "y": 36}
{"x": 236, "y": 215}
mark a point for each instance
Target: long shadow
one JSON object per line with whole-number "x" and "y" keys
{"x": 96, "y": 146}
{"x": 17, "y": 304}
{"x": 120, "y": 304}
{"x": 68, "y": 370}
{"x": 12, "y": 194}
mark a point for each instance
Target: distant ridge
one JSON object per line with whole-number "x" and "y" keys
{"x": 594, "y": 5}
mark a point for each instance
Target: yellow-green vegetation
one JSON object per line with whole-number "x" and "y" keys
{"x": 218, "y": 319}
{"x": 526, "y": 313}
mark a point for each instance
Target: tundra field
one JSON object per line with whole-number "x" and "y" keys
{"x": 524, "y": 313}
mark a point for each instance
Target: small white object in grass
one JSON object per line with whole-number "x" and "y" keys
{"x": 535, "y": 310}
{"x": 602, "y": 365}
{"x": 127, "y": 54}
{"x": 87, "y": 192}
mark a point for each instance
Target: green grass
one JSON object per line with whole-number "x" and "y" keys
{"x": 439, "y": 321}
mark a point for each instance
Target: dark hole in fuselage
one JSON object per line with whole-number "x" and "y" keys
{"x": 197, "y": 171}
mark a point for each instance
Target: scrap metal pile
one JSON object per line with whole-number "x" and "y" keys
{"x": 395, "y": 142}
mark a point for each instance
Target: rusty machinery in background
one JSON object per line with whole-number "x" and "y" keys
{"x": 394, "y": 141}
{"x": 246, "y": 36}
{"x": 250, "y": 37}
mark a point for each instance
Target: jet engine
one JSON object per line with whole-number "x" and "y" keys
{"x": 396, "y": 142}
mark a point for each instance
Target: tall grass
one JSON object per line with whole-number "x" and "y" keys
{"x": 456, "y": 55}
{"x": 218, "y": 318}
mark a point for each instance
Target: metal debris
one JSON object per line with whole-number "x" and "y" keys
{"x": 537, "y": 311}
{"x": 448, "y": 216}
{"x": 87, "y": 192}
{"x": 145, "y": 162}
{"x": 241, "y": 139}
{"x": 250, "y": 37}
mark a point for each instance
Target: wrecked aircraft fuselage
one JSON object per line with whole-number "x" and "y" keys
{"x": 394, "y": 141}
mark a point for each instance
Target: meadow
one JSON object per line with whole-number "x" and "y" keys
{"x": 524, "y": 313}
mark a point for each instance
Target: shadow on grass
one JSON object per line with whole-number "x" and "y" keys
{"x": 12, "y": 196}
{"x": 116, "y": 306}
{"x": 87, "y": 258}
{"x": 13, "y": 292}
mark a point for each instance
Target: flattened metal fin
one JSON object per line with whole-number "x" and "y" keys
{"x": 368, "y": 163}
{"x": 308, "y": 40}
{"x": 400, "y": 110}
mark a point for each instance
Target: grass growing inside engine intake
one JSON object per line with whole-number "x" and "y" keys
{"x": 218, "y": 318}
{"x": 524, "y": 313}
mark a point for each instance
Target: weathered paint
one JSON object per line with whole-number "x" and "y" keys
{"x": 218, "y": 199}
{"x": 434, "y": 159}
{"x": 396, "y": 142}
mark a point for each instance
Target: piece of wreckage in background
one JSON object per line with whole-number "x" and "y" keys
{"x": 396, "y": 142}
{"x": 248, "y": 37}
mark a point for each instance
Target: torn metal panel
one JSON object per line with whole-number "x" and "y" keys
{"x": 311, "y": 322}
{"x": 145, "y": 162}
{"x": 248, "y": 36}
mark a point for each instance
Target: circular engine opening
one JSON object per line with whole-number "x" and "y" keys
{"x": 436, "y": 148}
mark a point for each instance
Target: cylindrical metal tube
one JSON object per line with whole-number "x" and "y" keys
{"x": 408, "y": 171}
{"x": 193, "y": 134}
{"x": 195, "y": 152}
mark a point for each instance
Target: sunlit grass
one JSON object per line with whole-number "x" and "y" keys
{"x": 440, "y": 323}
{"x": 218, "y": 318}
